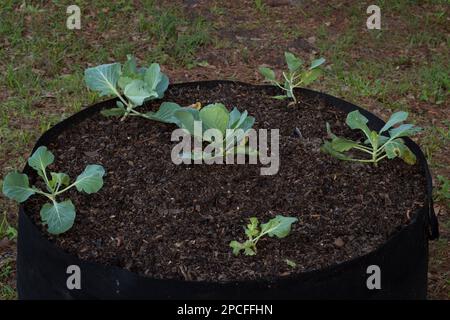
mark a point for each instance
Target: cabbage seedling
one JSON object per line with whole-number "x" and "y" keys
{"x": 279, "y": 227}
{"x": 58, "y": 216}
{"x": 133, "y": 86}
{"x": 295, "y": 77}
{"x": 231, "y": 126}
{"x": 377, "y": 145}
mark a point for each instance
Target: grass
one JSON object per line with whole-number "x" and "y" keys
{"x": 442, "y": 192}
{"x": 404, "y": 66}
{"x": 381, "y": 80}
{"x": 177, "y": 38}
{"x": 7, "y": 292}
{"x": 434, "y": 82}
{"x": 434, "y": 140}
{"x": 260, "y": 6}
{"x": 6, "y": 229}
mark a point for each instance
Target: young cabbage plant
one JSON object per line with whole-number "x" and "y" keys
{"x": 233, "y": 127}
{"x": 378, "y": 145}
{"x": 58, "y": 216}
{"x": 132, "y": 85}
{"x": 279, "y": 227}
{"x": 295, "y": 77}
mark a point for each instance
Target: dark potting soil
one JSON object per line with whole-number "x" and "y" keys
{"x": 167, "y": 221}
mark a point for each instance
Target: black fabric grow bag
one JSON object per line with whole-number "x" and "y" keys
{"x": 403, "y": 259}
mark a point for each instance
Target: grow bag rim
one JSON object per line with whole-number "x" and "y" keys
{"x": 330, "y": 269}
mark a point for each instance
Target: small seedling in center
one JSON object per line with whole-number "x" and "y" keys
{"x": 230, "y": 130}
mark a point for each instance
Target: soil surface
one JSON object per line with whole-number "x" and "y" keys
{"x": 167, "y": 221}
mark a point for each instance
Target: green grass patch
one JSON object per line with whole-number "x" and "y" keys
{"x": 176, "y": 38}
{"x": 7, "y": 292}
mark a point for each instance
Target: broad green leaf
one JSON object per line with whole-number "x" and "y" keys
{"x": 279, "y": 226}
{"x": 41, "y": 159}
{"x": 215, "y": 116}
{"x": 267, "y": 73}
{"x": 129, "y": 72}
{"x": 247, "y": 124}
{"x": 310, "y": 76}
{"x": 328, "y": 148}
{"x": 394, "y": 119}
{"x": 248, "y": 250}
{"x": 247, "y": 247}
{"x": 162, "y": 86}
{"x": 397, "y": 148}
{"x": 342, "y": 144}
{"x": 404, "y": 130}
{"x": 186, "y": 117}
{"x": 355, "y": 120}
{"x": 103, "y": 78}
{"x": 393, "y": 149}
{"x": 235, "y": 117}
{"x": 59, "y": 217}
{"x": 381, "y": 140}
{"x": 408, "y": 156}
{"x": 337, "y": 145}
{"x": 59, "y": 178}
{"x": 152, "y": 76}
{"x": 241, "y": 122}
{"x": 232, "y": 129}
{"x": 316, "y": 63}
{"x": 17, "y": 187}
{"x": 137, "y": 93}
{"x": 91, "y": 179}
{"x": 166, "y": 113}
{"x": 234, "y": 136}
{"x": 292, "y": 61}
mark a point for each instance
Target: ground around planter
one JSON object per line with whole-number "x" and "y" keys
{"x": 167, "y": 221}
